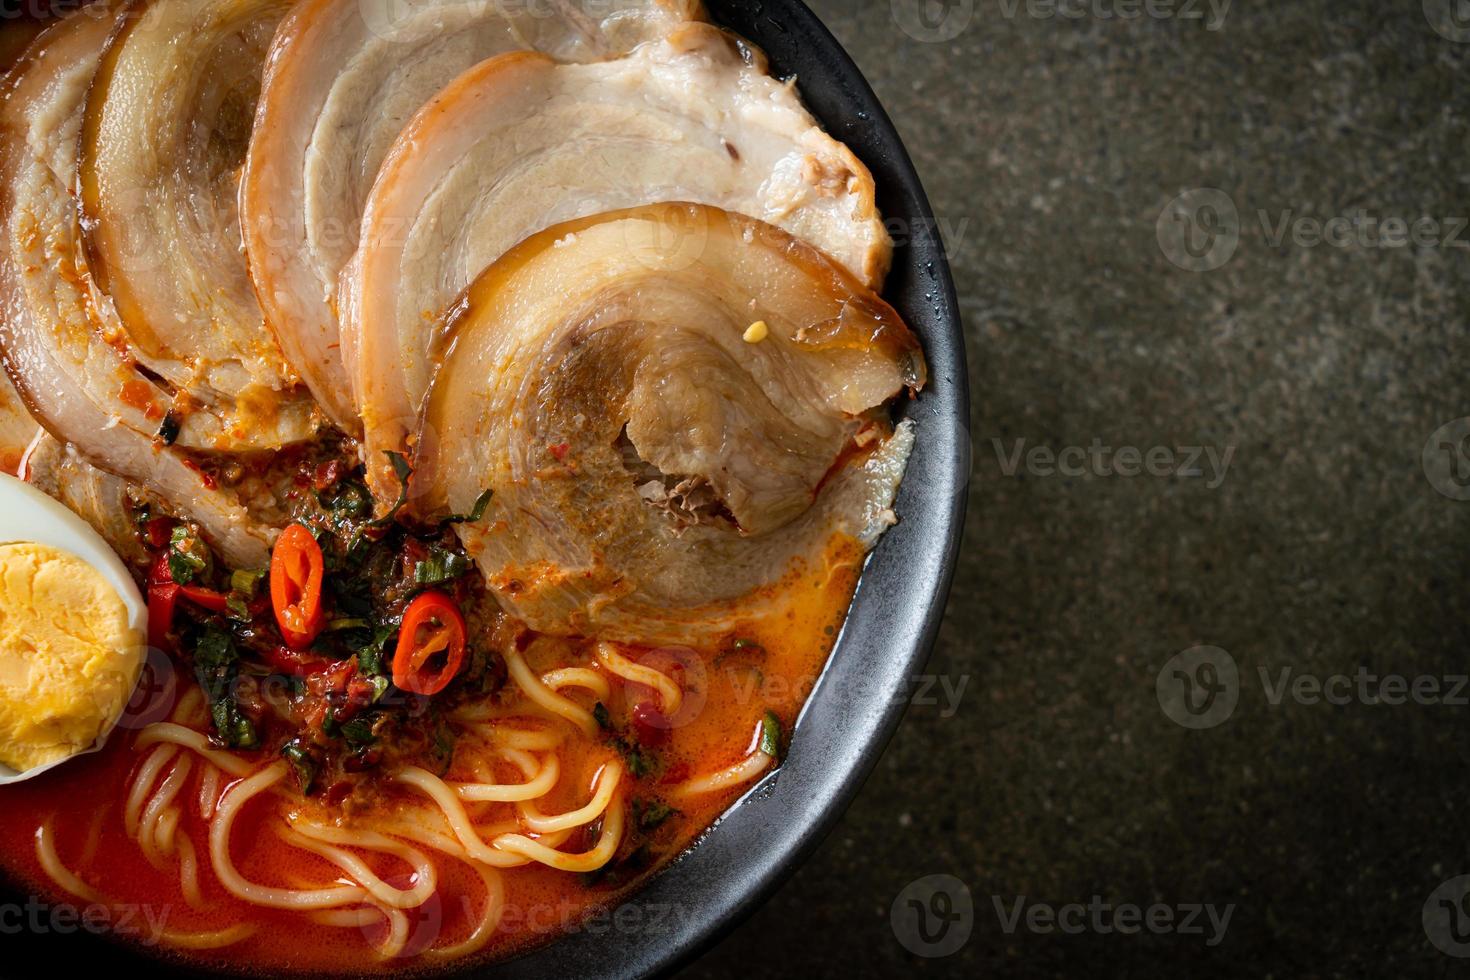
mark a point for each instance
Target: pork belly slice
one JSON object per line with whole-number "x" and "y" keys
{"x": 611, "y": 352}
{"x": 163, "y": 136}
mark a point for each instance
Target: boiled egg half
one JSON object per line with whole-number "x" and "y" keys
{"x": 72, "y": 629}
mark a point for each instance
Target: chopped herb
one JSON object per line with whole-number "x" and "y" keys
{"x": 236, "y": 608}
{"x": 441, "y": 566}
{"x": 232, "y": 727}
{"x": 168, "y": 429}
{"x": 370, "y": 658}
{"x": 403, "y": 471}
{"x": 476, "y": 512}
{"x": 302, "y": 764}
{"x": 215, "y": 658}
{"x": 380, "y": 686}
{"x": 599, "y": 712}
{"x": 346, "y": 623}
{"x": 770, "y": 742}
{"x": 640, "y": 762}
{"x": 351, "y": 502}
{"x": 188, "y": 555}
{"x": 359, "y": 731}
{"x": 216, "y": 663}
{"x": 649, "y": 814}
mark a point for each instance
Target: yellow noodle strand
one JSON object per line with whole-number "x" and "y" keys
{"x": 608, "y": 779}
{"x": 670, "y": 694}
{"x": 545, "y": 697}
{"x": 230, "y": 804}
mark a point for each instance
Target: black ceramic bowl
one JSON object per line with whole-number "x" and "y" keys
{"x": 860, "y": 697}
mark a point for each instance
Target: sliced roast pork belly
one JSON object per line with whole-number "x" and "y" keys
{"x": 166, "y": 125}
{"x": 96, "y": 496}
{"x": 342, "y": 79}
{"x": 520, "y": 142}
{"x": 76, "y": 384}
{"x": 655, "y": 466}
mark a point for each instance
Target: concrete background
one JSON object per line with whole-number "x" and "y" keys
{"x": 1051, "y": 146}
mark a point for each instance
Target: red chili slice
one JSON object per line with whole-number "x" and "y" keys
{"x": 296, "y": 663}
{"x": 208, "y": 598}
{"x": 432, "y": 625}
{"x": 163, "y": 596}
{"x": 296, "y": 586}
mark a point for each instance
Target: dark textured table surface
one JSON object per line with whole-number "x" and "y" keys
{"x": 1223, "y": 247}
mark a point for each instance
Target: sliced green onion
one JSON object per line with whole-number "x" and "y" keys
{"x": 476, "y": 512}
{"x": 246, "y": 581}
{"x": 188, "y": 555}
{"x": 301, "y": 764}
{"x": 441, "y": 566}
{"x": 359, "y": 731}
